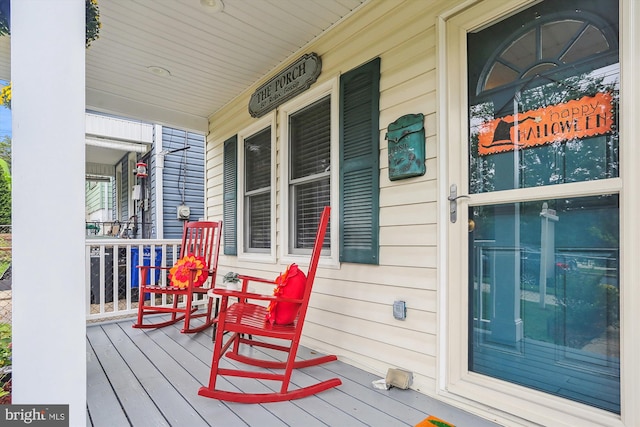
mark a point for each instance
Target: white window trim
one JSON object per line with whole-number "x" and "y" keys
{"x": 314, "y": 94}
{"x": 268, "y": 121}
{"x": 456, "y": 383}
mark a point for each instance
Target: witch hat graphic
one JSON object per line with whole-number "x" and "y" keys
{"x": 502, "y": 133}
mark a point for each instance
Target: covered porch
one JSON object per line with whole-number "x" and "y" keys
{"x": 151, "y": 377}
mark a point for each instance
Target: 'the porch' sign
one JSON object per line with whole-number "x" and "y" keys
{"x": 296, "y": 78}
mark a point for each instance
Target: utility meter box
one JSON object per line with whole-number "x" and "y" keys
{"x": 184, "y": 212}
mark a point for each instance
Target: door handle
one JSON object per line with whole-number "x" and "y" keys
{"x": 453, "y": 202}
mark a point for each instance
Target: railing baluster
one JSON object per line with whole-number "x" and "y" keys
{"x": 100, "y": 275}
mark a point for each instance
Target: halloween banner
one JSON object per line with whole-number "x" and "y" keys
{"x": 582, "y": 118}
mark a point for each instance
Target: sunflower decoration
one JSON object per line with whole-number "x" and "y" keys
{"x": 183, "y": 270}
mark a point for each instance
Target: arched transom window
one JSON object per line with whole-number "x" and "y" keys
{"x": 548, "y": 45}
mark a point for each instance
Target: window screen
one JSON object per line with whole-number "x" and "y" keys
{"x": 309, "y": 181}
{"x": 257, "y": 171}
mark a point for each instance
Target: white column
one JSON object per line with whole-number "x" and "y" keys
{"x": 159, "y": 177}
{"x": 48, "y": 112}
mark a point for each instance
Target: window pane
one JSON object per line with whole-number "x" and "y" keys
{"x": 558, "y": 132}
{"x": 556, "y": 36}
{"x": 257, "y": 172}
{"x": 257, "y": 155}
{"x": 310, "y": 140}
{"x": 545, "y": 288}
{"x": 310, "y": 200}
{"x": 259, "y": 222}
{"x": 590, "y": 42}
{"x": 500, "y": 75}
{"x": 522, "y": 52}
{"x": 310, "y": 144}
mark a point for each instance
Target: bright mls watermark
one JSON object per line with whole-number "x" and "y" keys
{"x": 34, "y": 415}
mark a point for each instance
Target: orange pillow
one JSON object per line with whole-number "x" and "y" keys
{"x": 290, "y": 284}
{"x": 180, "y": 273}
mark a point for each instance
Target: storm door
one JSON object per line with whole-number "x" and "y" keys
{"x": 541, "y": 201}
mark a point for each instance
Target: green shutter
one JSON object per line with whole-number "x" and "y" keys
{"x": 230, "y": 189}
{"x": 359, "y": 163}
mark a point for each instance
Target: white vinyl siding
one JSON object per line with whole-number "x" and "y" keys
{"x": 350, "y": 312}
{"x": 357, "y": 296}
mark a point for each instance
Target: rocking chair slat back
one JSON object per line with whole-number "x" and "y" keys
{"x": 199, "y": 238}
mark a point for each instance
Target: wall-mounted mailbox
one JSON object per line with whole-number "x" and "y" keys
{"x": 406, "y": 147}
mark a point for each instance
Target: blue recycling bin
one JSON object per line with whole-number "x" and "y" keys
{"x": 146, "y": 260}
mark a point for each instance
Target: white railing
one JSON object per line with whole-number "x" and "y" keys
{"x": 112, "y": 279}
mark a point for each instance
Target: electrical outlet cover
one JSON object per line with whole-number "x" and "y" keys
{"x": 399, "y": 310}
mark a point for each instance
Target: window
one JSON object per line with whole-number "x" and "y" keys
{"x": 257, "y": 189}
{"x": 310, "y": 177}
{"x": 256, "y": 182}
{"x": 329, "y": 155}
{"x": 545, "y": 45}
{"x": 309, "y": 180}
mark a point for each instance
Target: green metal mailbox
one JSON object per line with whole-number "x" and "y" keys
{"x": 406, "y": 147}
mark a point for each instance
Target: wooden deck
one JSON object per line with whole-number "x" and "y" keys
{"x": 151, "y": 378}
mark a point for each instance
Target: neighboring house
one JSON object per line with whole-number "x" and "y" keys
{"x": 502, "y": 241}
{"x": 99, "y": 202}
{"x": 139, "y": 175}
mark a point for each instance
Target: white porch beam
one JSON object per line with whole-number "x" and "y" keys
{"x": 124, "y": 107}
{"x": 48, "y": 113}
{"x": 117, "y": 145}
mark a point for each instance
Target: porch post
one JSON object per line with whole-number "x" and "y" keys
{"x": 48, "y": 112}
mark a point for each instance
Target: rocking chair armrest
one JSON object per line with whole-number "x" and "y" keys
{"x": 255, "y": 279}
{"x": 155, "y": 267}
{"x": 250, "y": 295}
{"x": 237, "y": 294}
{"x": 246, "y": 279}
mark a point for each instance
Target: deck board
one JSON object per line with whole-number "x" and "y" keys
{"x": 133, "y": 398}
{"x": 102, "y": 401}
{"x": 151, "y": 377}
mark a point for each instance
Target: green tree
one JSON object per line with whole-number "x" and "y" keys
{"x": 5, "y": 200}
{"x": 5, "y": 151}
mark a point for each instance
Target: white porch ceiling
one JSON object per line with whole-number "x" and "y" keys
{"x": 211, "y": 57}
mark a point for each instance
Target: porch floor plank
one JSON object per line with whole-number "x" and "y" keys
{"x": 138, "y": 377}
{"x": 132, "y": 397}
{"x": 102, "y": 402}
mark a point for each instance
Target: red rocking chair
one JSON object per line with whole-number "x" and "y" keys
{"x": 245, "y": 321}
{"x": 198, "y": 259}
